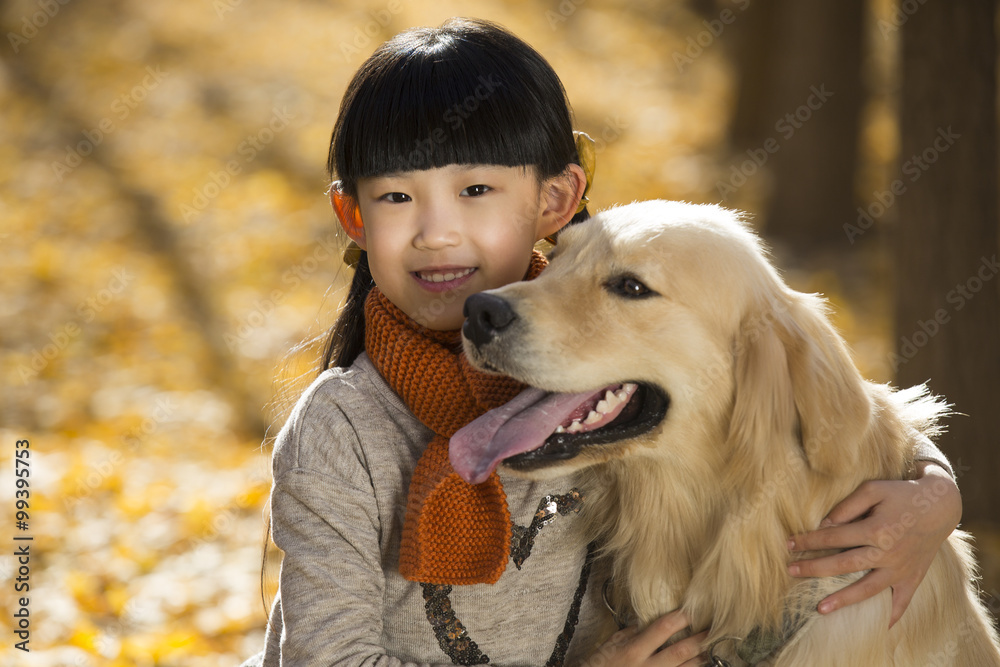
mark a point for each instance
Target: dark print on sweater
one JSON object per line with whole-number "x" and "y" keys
{"x": 451, "y": 634}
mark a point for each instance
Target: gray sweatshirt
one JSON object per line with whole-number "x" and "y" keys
{"x": 342, "y": 466}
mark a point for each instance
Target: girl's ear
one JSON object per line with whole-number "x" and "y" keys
{"x": 560, "y": 198}
{"x": 346, "y": 208}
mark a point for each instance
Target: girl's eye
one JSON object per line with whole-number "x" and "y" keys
{"x": 395, "y": 197}
{"x": 476, "y": 190}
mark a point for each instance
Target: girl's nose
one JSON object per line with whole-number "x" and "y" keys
{"x": 437, "y": 229}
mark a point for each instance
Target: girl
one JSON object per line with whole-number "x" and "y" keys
{"x": 455, "y": 154}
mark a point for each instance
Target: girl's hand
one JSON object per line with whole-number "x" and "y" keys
{"x": 893, "y": 528}
{"x": 630, "y": 647}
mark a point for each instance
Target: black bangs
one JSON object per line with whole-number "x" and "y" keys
{"x": 468, "y": 92}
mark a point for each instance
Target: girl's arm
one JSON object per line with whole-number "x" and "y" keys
{"x": 892, "y": 528}
{"x": 325, "y": 518}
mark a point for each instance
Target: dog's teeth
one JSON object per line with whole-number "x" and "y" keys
{"x": 560, "y": 429}
{"x": 575, "y": 427}
{"x": 611, "y": 399}
{"x": 593, "y": 417}
{"x": 622, "y": 395}
{"x": 603, "y": 407}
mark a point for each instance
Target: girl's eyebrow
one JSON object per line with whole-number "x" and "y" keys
{"x": 384, "y": 180}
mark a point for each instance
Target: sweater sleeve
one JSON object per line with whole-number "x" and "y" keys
{"x": 325, "y": 519}
{"x": 928, "y": 451}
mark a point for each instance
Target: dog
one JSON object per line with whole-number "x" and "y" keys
{"x": 710, "y": 411}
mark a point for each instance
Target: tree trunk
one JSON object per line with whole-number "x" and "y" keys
{"x": 948, "y": 234}
{"x": 798, "y": 107}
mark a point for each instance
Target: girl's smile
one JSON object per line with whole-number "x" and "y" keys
{"x": 443, "y": 278}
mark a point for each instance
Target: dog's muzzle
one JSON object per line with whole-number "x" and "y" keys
{"x": 486, "y": 316}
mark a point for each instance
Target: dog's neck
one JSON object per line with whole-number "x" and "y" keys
{"x": 655, "y": 524}
{"x": 719, "y": 549}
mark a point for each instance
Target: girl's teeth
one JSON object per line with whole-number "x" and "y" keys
{"x": 444, "y": 277}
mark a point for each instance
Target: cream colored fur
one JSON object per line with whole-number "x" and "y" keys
{"x": 769, "y": 426}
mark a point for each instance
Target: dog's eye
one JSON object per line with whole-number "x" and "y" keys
{"x": 629, "y": 287}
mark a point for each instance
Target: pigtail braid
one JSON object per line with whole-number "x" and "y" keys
{"x": 347, "y": 338}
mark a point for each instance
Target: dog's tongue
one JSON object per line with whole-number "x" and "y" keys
{"x": 519, "y": 426}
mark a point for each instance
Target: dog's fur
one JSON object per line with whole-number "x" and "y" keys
{"x": 769, "y": 426}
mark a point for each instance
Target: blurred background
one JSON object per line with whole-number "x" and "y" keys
{"x": 166, "y": 244}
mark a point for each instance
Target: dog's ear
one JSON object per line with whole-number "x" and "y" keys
{"x": 833, "y": 407}
{"x": 764, "y": 405}
{"x": 794, "y": 376}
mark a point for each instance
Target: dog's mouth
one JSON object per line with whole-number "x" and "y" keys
{"x": 538, "y": 428}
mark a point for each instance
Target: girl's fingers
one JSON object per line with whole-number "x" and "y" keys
{"x": 845, "y": 562}
{"x": 855, "y": 505}
{"x": 836, "y": 537}
{"x": 632, "y": 648}
{"x": 684, "y": 653}
{"x": 867, "y": 586}
{"x": 659, "y": 631}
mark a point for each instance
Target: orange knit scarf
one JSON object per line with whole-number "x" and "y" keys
{"x": 453, "y": 532}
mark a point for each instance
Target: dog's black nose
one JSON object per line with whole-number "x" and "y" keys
{"x": 486, "y": 316}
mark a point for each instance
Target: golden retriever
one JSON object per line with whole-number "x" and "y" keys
{"x": 711, "y": 411}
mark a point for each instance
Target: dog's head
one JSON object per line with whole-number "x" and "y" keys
{"x": 656, "y": 321}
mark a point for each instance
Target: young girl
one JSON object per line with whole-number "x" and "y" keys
{"x": 455, "y": 154}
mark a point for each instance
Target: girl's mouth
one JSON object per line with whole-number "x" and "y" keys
{"x": 442, "y": 280}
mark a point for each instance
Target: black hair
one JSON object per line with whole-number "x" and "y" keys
{"x": 467, "y": 92}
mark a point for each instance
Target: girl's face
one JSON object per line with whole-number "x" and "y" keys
{"x": 436, "y": 236}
